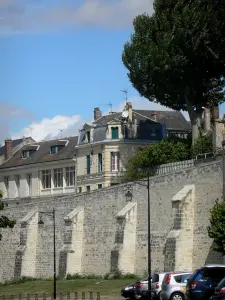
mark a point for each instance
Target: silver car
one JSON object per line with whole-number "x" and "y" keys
{"x": 142, "y": 285}
{"x": 174, "y": 286}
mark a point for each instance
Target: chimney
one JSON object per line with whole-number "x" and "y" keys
{"x": 97, "y": 113}
{"x": 128, "y": 107}
{"x": 154, "y": 116}
{"x": 8, "y": 149}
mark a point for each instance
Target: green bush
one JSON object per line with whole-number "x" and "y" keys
{"x": 202, "y": 145}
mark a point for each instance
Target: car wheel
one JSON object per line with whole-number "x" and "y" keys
{"x": 137, "y": 297}
{"x": 177, "y": 296}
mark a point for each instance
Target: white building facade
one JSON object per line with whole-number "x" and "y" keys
{"x": 41, "y": 169}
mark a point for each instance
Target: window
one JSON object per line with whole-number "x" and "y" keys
{"x": 88, "y": 164}
{"x": 26, "y": 154}
{"x": 115, "y": 133}
{"x": 58, "y": 177}
{"x": 88, "y": 188}
{"x": 115, "y": 161}
{"x": 80, "y": 189}
{"x": 70, "y": 176}
{"x": 99, "y": 186}
{"x": 155, "y": 278}
{"x": 29, "y": 184}
{"x": 6, "y": 182}
{"x": 88, "y": 136}
{"x": 53, "y": 149}
{"x": 178, "y": 278}
{"x": 46, "y": 179}
{"x": 17, "y": 181}
{"x": 99, "y": 162}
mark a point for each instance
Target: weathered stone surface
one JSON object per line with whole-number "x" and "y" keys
{"x": 100, "y": 254}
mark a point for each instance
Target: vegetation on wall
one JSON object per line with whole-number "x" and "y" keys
{"x": 4, "y": 221}
{"x": 146, "y": 160}
{"x": 176, "y": 56}
{"x": 216, "y": 230}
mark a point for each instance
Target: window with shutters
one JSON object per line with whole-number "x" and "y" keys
{"x": 88, "y": 158}
{"x": 115, "y": 133}
{"x": 99, "y": 162}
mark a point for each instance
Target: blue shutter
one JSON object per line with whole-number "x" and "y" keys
{"x": 88, "y": 164}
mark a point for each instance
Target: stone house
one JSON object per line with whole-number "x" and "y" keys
{"x": 105, "y": 145}
{"x": 11, "y": 146}
{"x": 40, "y": 169}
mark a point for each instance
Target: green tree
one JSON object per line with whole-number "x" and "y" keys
{"x": 153, "y": 155}
{"x": 216, "y": 230}
{"x": 202, "y": 145}
{"x": 176, "y": 57}
{"x": 4, "y": 221}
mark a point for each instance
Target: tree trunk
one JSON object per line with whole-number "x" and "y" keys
{"x": 195, "y": 116}
{"x": 196, "y": 125}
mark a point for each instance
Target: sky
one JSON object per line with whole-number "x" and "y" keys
{"x": 61, "y": 58}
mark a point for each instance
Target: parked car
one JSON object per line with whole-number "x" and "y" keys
{"x": 219, "y": 291}
{"x": 128, "y": 291}
{"x": 142, "y": 286}
{"x": 201, "y": 285}
{"x": 174, "y": 285}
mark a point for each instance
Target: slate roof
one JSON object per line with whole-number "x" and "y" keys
{"x": 42, "y": 154}
{"x": 174, "y": 120}
{"x": 14, "y": 144}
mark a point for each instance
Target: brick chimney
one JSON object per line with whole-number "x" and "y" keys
{"x": 97, "y": 113}
{"x": 8, "y": 149}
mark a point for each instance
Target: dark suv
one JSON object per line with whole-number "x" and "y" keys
{"x": 201, "y": 284}
{"x": 219, "y": 291}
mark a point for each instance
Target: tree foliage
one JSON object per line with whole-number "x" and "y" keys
{"x": 216, "y": 230}
{"x": 202, "y": 145}
{"x": 177, "y": 55}
{"x": 156, "y": 154}
{"x": 4, "y": 221}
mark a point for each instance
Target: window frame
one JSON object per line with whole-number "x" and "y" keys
{"x": 99, "y": 163}
{"x": 54, "y": 147}
{"x": 58, "y": 177}
{"x": 115, "y": 133}
{"x": 115, "y": 161}
{"x": 44, "y": 175}
{"x": 88, "y": 164}
{"x": 70, "y": 176}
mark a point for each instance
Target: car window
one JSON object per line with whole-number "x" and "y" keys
{"x": 213, "y": 273}
{"x": 186, "y": 277}
{"x": 221, "y": 284}
{"x": 155, "y": 278}
{"x": 178, "y": 278}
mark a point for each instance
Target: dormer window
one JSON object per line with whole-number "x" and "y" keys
{"x": 26, "y": 154}
{"x": 115, "y": 133}
{"x": 53, "y": 149}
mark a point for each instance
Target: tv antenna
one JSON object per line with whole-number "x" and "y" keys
{"x": 31, "y": 131}
{"x": 60, "y": 132}
{"x": 125, "y": 92}
{"x": 109, "y": 104}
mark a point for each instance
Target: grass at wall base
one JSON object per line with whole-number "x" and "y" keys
{"x": 106, "y": 287}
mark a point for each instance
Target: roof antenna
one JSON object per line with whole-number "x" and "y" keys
{"x": 125, "y": 92}
{"x": 31, "y": 130}
{"x": 60, "y": 132}
{"x": 109, "y": 104}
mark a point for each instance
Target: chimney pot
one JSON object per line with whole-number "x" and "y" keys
{"x": 8, "y": 149}
{"x": 97, "y": 113}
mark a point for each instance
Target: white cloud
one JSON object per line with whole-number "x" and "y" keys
{"x": 48, "y": 128}
{"x": 22, "y": 16}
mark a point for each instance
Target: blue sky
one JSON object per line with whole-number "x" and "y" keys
{"x": 61, "y": 58}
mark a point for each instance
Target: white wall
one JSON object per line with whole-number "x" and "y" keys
{"x": 36, "y": 186}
